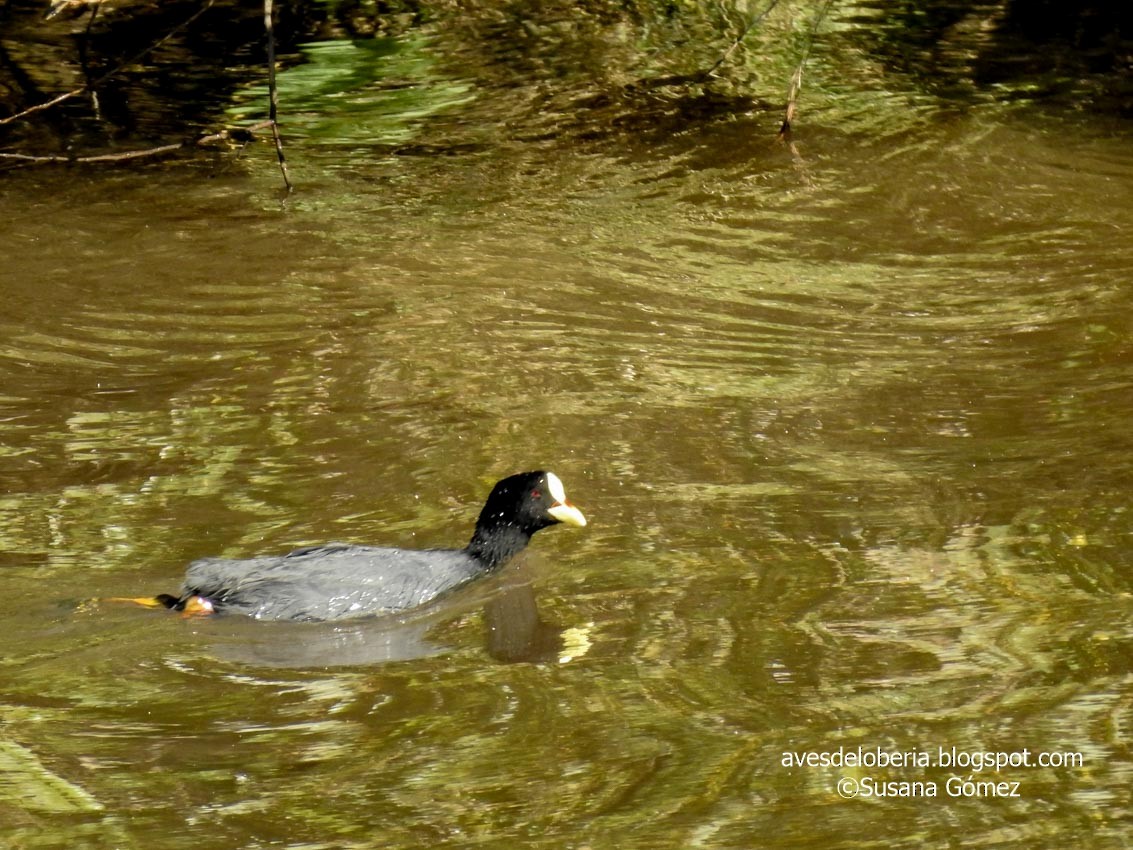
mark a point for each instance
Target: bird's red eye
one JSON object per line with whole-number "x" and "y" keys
{"x": 535, "y": 494}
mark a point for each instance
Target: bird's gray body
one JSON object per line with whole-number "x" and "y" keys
{"x": 331, "y": 582}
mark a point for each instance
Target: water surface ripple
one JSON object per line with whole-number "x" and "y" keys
{"x": 852, "y": 426}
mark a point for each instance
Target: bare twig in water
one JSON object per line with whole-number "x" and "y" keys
{"x": 242, "y": 136}
{"x": 792, "y": 103}
{"x": 104, "y": 157}
{"x": 797, "y": 78}
{"x": 273, "y": 95}
{"x": 40, "y": 107}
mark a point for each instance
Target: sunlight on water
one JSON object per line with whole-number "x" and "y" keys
{"x": 851, "y": 427}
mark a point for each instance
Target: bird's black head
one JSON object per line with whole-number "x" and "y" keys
{"x": 517, "y": 507}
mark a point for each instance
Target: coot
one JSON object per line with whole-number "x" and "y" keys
{"x": 337, "y": 581}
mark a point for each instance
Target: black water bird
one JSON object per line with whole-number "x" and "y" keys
{"x": 337, "y": 581}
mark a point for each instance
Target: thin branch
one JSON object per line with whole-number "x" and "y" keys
{"x": 105, "y": 157}
{"x": 39, "y": 107}
{"x": 273, "y": 95}
{"x": 797, "y": 77}
{"x": 242, "y": 135}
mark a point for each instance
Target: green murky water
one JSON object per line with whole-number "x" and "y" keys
{"x": 852, "y": 427}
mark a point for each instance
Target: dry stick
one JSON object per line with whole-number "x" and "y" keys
{"x": 273, "y": 96}
{"x": 792, "y": 103}
{"x": 105, "y": 157}
{"x": 39, "y": 107}
{"x": 32, "y": 159}
{"x": 797, "y": 77}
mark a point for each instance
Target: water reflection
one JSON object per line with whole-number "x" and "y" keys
{"x": 859, "y": 444}
{"x": 514, "y": 632}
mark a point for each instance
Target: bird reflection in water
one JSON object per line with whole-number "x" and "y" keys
{"x": 515, "y": 631}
